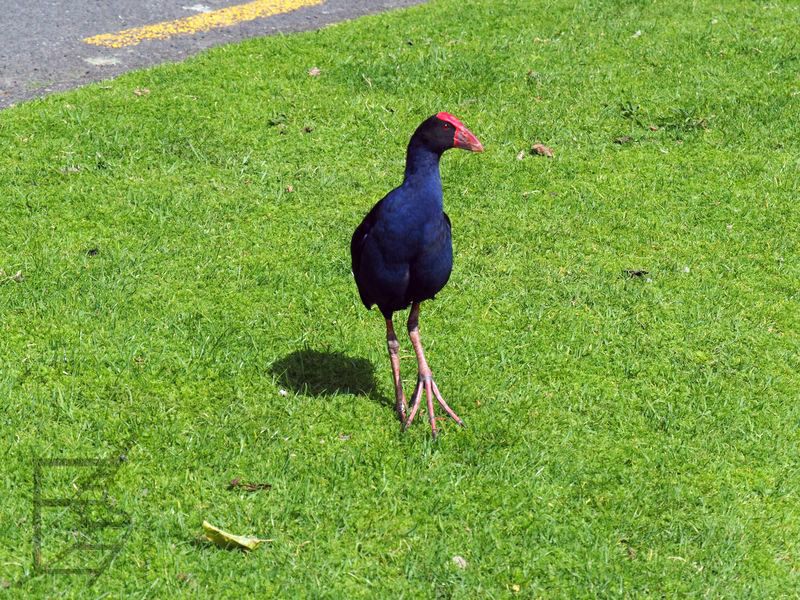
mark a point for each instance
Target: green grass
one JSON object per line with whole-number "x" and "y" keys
{"x": 626, "y": 436}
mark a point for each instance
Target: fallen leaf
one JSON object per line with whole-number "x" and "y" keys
{"x": 521, "y": 155}
{"x": 515, "y": 588}
{"x": 314, "y": 71}
{"x": 623, "y": 139}
{"x": 542, "y": 150}
{"x": 344, "y": 437}
{"x": 71, "y": 169}
{"x": 653, "y": 127}
{"x": 460, "y": 562}
{"x": 223, "y": 539}
{"x": 184, "y": 577}
{"x": 289, "y": 189}
{"x": 637, "y": 34}
{"x": 141, "y": 91}
{"x": 17, "y": 277}
{"x": 248, "y": 487}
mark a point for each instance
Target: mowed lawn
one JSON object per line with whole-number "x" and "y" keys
{"x": 185, "y": 292}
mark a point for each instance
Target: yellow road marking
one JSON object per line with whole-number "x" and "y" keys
{"x": 223, "y": 17}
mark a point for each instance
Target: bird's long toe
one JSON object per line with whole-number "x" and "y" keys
{"x": 450, "y": 412}
{"x": 416, "y": 398}
{"x": 426, "y": 384}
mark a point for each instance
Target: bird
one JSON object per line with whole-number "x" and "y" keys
{"x": 402, "y": 253}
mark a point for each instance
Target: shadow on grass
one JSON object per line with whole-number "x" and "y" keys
{"x": 315, "y": 373}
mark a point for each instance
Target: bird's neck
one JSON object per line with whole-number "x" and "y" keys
{"x": 422, "y": 170}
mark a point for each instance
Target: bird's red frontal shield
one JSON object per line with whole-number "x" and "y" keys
{"x": 463, "y": 137}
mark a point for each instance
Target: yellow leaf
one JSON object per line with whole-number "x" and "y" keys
{"x": 228, "y": 540}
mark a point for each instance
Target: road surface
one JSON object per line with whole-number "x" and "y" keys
{"x": 52, "y": 45}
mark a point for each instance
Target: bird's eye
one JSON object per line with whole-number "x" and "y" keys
{"x": 447, "y": 125}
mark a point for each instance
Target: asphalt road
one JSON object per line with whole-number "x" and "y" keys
{"x": 42, "y": 47}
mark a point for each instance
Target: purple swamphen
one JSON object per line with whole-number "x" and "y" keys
{"x": 402, "y": 251}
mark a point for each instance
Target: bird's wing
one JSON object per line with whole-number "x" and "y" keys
{"x": 360, "y": 236}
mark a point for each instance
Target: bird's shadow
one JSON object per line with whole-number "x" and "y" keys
{"x": 321, "y": 374}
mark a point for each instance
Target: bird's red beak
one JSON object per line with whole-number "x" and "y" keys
{"x": 466, "y": 140}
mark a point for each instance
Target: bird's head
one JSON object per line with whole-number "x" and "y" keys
{"x": 443, "y": 131}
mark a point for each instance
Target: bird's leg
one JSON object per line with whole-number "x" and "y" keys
{"x": 424, "y": 378}
{"x": 394, "y": 356}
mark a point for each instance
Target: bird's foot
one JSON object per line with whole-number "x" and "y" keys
{"x": 426, "y": 383}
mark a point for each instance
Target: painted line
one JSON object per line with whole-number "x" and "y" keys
{"x": 224, "y": 17}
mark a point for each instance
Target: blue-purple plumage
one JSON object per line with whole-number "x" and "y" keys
{"x": 402, "y": 250}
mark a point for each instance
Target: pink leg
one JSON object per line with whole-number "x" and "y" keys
{"x": 424, "y": 379}
{"x": 394, "y": 356}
